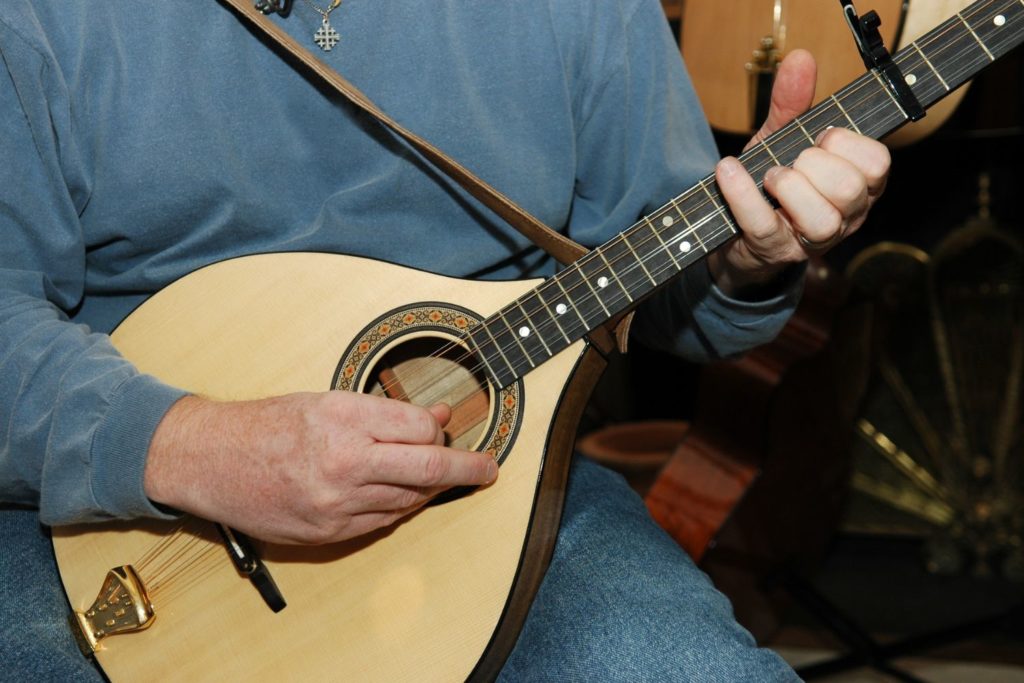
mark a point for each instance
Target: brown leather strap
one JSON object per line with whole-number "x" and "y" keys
{"x": 557, "y": 245}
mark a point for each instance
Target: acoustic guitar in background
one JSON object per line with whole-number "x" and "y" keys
{"x": 732, "y": 66}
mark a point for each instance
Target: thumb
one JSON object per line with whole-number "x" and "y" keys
{"x": 442, "y": 412}
{"x": 792, "y": 92}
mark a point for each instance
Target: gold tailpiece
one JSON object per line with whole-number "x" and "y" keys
{"x": 122, "y": 606}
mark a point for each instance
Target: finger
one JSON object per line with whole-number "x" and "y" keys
{"x": 792, "y": 92}
{"x": 442, "y": 412}
{"x": 391, "y": 421}
{"x": 871, "y": 157}
{"x": 429, "y": 466}
{"x": 810, "y": 213}
{"x": 390, "y": 497}
{"x": 755, "y": 216}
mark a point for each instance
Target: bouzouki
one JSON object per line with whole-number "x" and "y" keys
{"x": 441, "y": 595}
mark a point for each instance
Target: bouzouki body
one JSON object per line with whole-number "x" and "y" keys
{"x": 421, "y": 600}
{"x": 442, "y": 594}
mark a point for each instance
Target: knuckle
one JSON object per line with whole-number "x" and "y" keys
{"x": 808, "y": 157}
{"x": 877, "y": 165}
{"x": 832, "y": 220}
{"x": 408, "y": 498}
{"x": 850, "y": 189}
{"x": 425, "y": 425}
{"x": 778, "y": 176}
{"x": 322, "y": 507}
{"x": 435, "y": 467}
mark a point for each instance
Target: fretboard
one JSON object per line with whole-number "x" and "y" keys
{"x": 613, "y": 277}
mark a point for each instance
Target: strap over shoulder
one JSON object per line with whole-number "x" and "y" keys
{"x": 560, "y": 247}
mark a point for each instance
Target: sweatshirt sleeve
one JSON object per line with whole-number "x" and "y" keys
{"x": 75, "y": 417}
{"x": 643, "y": 139}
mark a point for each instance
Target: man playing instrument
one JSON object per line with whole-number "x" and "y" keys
{"x": 142, "y": 141}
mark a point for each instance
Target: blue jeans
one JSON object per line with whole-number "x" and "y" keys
{"x": 620, "y": 602}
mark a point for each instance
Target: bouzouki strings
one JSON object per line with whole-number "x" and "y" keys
{"x": 756, "y": 169}
{"x": 653, "y": 243}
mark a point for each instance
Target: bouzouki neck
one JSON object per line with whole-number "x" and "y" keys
{"x": 613, "y": 277}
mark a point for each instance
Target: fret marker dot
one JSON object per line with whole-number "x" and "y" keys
{"x": 524, "y": 332}
{"x": 602, "y": 282}
{"x": 667, "y": 221}
{"x": 911, "y": 79}
{"x": 685, "y": 246}
{"x": 999, "y": 20}
{"x": 561, "y": 309}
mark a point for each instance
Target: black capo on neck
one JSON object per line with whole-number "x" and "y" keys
{"x": 872, "y": 51}
{"x": 282, "y": 7}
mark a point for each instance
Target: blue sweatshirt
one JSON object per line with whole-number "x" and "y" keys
{"x": 141, "y": 140}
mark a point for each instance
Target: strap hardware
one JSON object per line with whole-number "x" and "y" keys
{"x": 282, "y": 7}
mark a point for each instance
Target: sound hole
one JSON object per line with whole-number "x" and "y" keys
{"x": 426, "y": 370}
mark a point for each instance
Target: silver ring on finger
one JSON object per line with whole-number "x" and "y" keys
{"x": 822, "y": 246}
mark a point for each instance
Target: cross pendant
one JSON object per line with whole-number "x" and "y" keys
{"x": 326, "y": 37}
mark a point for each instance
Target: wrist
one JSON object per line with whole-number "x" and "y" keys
{"x": 167, "y": 458}
{"x": 746, "y": 284}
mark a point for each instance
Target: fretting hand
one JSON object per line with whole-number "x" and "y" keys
{"x": 822, "y": 199}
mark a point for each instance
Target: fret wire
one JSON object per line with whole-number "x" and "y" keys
{"x": 888, "y": 92}
{"x": 664, "y": 246}
{"x": 990, "y": 33}
{"x": 586, "y": 281}
{"x": 690, "y": 229}
{"x": 680, "y": 211}
{"x": 807, "y": 135}
{"x": 975, "y": 35}
{"x": 527, "y": 335}
{"x": 788, "y": 143}
{"x": 930, "y": 85}
{"x": 551, "y": 315}
{"x": 718, "y": 208}
{"x": 811, "y": 117}
{"x": 515, "y": 337}
{"x": 882, "y": 116}
{"x": 925, "y": 83}
{"x": 760, "y": 157}
{"x": 724, "y": 229}
{"x": 829, "y": 113}
{"x": 639, "y": 260}
{"x": 478, "y": 352}
{"x": 961, "y": 46}
{"x": 833, "y": 97}
{"x": 568, "y": 298}
{"x": 932, "y": 66}
{"x": 764, "y": 144}
{"x": 682, "y": 214}
{"x": 497, "y": 346}
{"x": 603, "y": 286}
{"x": 535, "y": 330}
{"x": 629, "y": 266}
{"x": 600, "y": 252}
